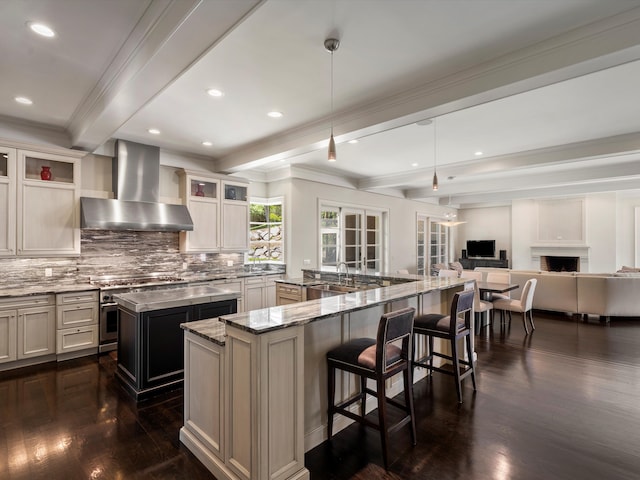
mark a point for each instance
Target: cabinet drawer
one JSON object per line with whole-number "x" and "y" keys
{"x": 76, "y": 297}
{"x": 76, "y": 315}
{"x": 79, "y": 338}
{"x": 28, "y": 301}
{"x": 289, "y": 290}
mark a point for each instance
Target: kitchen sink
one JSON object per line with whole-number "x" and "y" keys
{"x": 330, "y": 289}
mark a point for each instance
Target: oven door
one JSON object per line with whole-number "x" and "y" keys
{"x": 108, "y": 326}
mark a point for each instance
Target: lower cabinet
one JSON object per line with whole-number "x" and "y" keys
{"x": 287, "y": 293}
{"x": 151, "y": 347}
{"x": 77, "y": 321}
{"x": 27, "y": 327}
{"x": 260, "y": 292}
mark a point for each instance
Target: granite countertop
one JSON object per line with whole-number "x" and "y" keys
{"x": 274, "y": 318}
{"x": 173, "y": 297}
{"x": 45, "y": 289}
{"x": 300, "y": 281}
{"x": 210, "y": 329}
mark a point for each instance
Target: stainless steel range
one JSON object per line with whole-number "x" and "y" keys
{"x": 111, "y": 285}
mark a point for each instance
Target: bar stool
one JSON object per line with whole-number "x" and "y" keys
{"x": 379, "y": 360}
{"x": 453, "y": 327}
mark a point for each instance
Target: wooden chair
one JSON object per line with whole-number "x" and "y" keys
{"x": 379, "y": 360}
{"x": 455, "y": 326}
{"x": 522, "y": 305}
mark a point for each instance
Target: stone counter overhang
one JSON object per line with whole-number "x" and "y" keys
{"x": 269, "y": 319}
{"x": 176, "y": 297}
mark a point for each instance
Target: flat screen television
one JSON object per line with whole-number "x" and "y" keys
{"x": 481, "y": 248}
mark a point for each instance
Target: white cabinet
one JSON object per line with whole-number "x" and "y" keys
{"x": 77, "y": 321}
{"x": 219, "y": 209}
{"x": 201, "y": 195}
{"x": 7, "y": 201}
{"x": 260, "y": 292}
{"x": 235, "y": 216}
{"x": 48, "y": 220}
{"x": 27, "y": 327}
{"x": 8, "y": 335}
{"x": 39, "y": 201}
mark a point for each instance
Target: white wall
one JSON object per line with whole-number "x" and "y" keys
{"x": 626, "y": 246}
{"x": 302, "y": 203}
{"x": 491, "y": 223}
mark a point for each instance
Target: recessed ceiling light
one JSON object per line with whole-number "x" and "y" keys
{"x": 154, "y": 131}
{"x": 355, "y": 140}
{"x": 41, "y": 29}
{"x": 24, "y": 100}
{"x": 478, "y": 153}
{"x": 207, "y": 144}
{"x": 414, "y": 164}
{"x": 275, "y": 114}
{"x": 214, "y": 92}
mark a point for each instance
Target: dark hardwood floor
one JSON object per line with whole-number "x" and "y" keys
{"x": 562, "y": 403}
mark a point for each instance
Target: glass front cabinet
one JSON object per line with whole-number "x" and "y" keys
{"x": 219, "y": 209}
{"x": 39, "y": 202}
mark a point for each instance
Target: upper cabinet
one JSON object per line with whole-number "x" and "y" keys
{"x": 219, "y": 209}
{"x": 235, "y": 216}
{"x": 7, "y": 201}
{"x": 39, "y": 202}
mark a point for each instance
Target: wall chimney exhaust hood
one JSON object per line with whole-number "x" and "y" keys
{"x": 136, "y": 177}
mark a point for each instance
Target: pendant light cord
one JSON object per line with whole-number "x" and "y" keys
{"x": 332, "y": 92}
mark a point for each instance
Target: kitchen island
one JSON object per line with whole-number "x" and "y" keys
{"x": 255, "y": 387}
{"x": 150, "y": 344}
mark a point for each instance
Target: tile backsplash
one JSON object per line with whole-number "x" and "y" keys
{"x": 111, "y": 252}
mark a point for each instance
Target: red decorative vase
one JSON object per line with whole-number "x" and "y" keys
{"x": 199, "y": 192}
{"x": 45, "y": 174}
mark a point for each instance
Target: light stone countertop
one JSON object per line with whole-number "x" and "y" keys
{"x": 173, "y": 297}
{"x": 274, "y": 318}
{"x": 45, "y": 289}
{"x": 210, "y": 329}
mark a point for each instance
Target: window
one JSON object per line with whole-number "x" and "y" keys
{"x": 351, "y": 235}
{"x": 266, "y": 231}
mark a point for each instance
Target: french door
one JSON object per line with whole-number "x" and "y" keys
{"x": 354, "y": 236}
{"x": 432, "y": 244}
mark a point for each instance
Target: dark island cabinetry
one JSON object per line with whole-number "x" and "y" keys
{"x": 151, "y": 346}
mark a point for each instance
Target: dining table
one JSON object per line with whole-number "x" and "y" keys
{"x": 486, "y": 289}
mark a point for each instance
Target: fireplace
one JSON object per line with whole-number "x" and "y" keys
{"x": 554, "y": 263}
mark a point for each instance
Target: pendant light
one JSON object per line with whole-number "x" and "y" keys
{"x": 434, "y": 184}
{"x": 331, "y": 45}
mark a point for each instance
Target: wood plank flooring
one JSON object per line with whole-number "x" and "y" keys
{"x": 562, "y": 403}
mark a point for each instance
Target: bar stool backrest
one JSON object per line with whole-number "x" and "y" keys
{"x": 394, "y": 326}
{"x": 461, "y": 308}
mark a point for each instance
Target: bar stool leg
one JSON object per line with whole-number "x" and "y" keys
{"x": 456, "y": 368}
{"x": 430, "y": 355}
{"x": 363, "y": 386}
{"x": 408, "y": 401}
{"x": 382, "y": 419}
{"x": 471, "y": 362}
{"x": 331, "y": 390}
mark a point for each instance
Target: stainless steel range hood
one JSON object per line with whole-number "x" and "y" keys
{"x": 136, "y": 177}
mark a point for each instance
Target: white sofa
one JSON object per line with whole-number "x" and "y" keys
{"x": 606, "y": 295}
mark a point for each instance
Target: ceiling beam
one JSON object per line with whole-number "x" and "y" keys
{"x": 556, "y": 155}
{"x": 171, "y": 36}
{"x": 610, "y": 42}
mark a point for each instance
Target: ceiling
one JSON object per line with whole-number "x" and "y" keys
{"x": 545, "y": 90}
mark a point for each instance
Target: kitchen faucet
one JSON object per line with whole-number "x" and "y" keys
{"x": 339, "y": 264}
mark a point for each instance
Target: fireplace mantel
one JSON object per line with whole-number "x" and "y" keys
{"x": 562, "y": 250}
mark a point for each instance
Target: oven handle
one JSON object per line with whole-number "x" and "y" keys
{"x": 111, "y": 304}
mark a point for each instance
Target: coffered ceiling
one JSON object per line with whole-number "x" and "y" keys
{"x": 545, "y": 90}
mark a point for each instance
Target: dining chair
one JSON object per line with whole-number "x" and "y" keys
{"x": 452, "y": 327}
{"x": 479, "y": 306}
{"x": 522, "y": 305}
{"x": 499, "y": 277}
{"x": 378, "y": 359}
{"x": 447, "y": 273}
